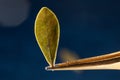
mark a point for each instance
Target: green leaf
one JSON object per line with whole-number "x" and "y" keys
{"x": 47, "y": 33}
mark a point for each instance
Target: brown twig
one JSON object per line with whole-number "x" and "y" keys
{"x": 107, "y": 61}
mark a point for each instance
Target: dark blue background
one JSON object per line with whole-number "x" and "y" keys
{"x": 88, "y": 27}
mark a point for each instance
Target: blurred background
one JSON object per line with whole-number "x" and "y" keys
{"x": 88, "y": 28}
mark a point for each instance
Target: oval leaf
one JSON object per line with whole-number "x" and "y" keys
{"x": 47, "y": 34}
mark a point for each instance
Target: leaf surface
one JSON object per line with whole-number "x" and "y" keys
{"x": 47, "y": 33}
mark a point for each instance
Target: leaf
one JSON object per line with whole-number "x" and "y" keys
{"x": 47, "y": 33}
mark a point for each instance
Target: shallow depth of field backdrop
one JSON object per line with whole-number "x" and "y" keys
{"x": 88, "y": 28}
